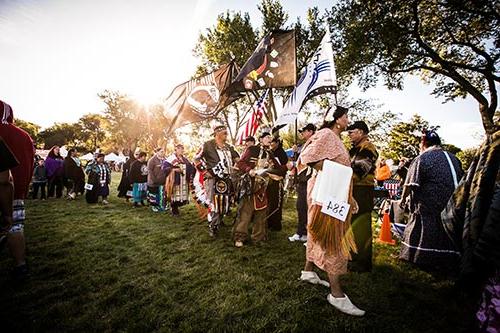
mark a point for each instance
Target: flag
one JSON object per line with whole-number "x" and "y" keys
{"x": 199, "y": 99}
{"x": 271, "y": 65}
{"x": 253, "y": 120}
{"x": 318, "y": 78}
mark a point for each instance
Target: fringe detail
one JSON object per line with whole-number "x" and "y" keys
{"x": 202, "y": 210}
{"x": 334, "y": 236}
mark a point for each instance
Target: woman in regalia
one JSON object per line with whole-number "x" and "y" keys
{"x": 180, "y": 173}
{"x": 329, "y": 240}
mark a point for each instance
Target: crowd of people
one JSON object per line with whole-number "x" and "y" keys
{"x": 442, "y": 235}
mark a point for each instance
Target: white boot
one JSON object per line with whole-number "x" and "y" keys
{"x": 345, "y": 305}
{"x": 313, "y": 278}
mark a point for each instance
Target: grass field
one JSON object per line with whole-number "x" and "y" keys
{"x": 114, "y": 268}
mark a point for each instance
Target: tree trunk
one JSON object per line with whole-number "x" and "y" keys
{"x": 487, "y": 112}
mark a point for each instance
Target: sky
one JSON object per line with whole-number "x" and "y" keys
{"x": 57, "y": 55}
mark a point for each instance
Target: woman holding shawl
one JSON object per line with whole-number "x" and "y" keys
{"x": 329, "y": 239}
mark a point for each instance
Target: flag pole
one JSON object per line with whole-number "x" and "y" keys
{"x": 295, "y": 136}
{"x": 273, "y": 107}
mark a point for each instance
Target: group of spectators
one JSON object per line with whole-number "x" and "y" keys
{"x": 56, "y": 173}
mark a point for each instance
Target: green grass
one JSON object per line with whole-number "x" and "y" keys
{"x": 115, "y": 268}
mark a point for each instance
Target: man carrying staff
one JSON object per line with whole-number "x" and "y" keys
{"x": 219, "y": 158}
{"x": 254, "y": 165}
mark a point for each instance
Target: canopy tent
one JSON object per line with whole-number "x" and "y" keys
{"x": 87, "y": 157}
{"x": 112, "y": 157}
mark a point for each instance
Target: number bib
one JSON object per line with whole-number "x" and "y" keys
{"x": 335, "y": 208}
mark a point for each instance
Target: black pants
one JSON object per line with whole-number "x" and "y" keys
{"x": 56, "y": 184}
{"x": 40, "y": 186}
{"x": 362, "y": 229}
{"x": 275, "y": 205}
{"x": 302, "y": 208}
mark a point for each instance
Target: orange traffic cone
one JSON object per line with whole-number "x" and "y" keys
{"x": 385, "y": 231}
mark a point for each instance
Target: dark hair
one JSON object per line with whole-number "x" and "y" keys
{"x": 339, "y": 112}
{"x": 52, "y": 154}
{"x": 70, "y": 151}
{"x": 141, "y": 154}
{"x": 430, "y": 138}
{"x": 157, "y": 149}
{"x": 99, "y": 155}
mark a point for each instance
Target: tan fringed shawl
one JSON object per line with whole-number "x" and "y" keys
{"x": 334, "y": 236}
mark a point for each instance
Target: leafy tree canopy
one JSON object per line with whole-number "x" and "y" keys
{"x": 455, "y": 44}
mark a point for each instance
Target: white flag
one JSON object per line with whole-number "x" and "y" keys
{"x": 318, "y": 78}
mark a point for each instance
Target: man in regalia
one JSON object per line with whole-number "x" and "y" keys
{"x": 256, "y": 166}
{"x": 218, "y": 158}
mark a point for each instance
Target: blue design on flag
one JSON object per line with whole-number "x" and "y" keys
{"x": 322, "y": 66}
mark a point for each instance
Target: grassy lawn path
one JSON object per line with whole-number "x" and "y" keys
{"x": 114, "y": 268}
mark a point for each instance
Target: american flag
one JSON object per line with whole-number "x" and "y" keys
{"x": 392, "y": 185}
{"x": 253, "y": 120}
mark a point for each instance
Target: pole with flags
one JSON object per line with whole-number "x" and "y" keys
{"x": 252, "y": 124}
{"x": 317, "y": 78}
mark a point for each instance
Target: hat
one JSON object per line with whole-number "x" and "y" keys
{"x": 359, "y": 124}
{"x": 249, "y": 138}
{"x": 308, "y": 127}
{"x": 263, "y": 135}
{"x": 179, "y": 145}
{"x": 219, "y": 128}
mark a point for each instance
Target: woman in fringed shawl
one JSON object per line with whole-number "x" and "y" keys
{"x": 472, "y": 220}
{"x": 330, "y": 240}
{"x": 180, "y": 174}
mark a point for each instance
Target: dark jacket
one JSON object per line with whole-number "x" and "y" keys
{"x": 209, "y": 154}
{"x": 72, "y": 170}
{"x": 138, "y": 172}
{"x": 363, "y": 162}
{"x": 40, "y": 174}
{"x": 156, "y": 176}
{"x": 472, "y": 216}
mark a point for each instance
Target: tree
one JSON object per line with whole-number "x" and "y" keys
{"x": 308, "y": 36}
{"x": 156, "y": 128}
{"x": 60, "y": 134}
{"x": 404, "y": 138}
{"x": 31, "y": 128}
{"x": 454, "y": 44}
{"x": 379, "y": 122}
{"x": 126, "y": 120}
{"x": 274, "y": 16}
{"x": 231, "y": 38}
{"x": 92, "y": 130}
{"x": 466, "y": 156}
